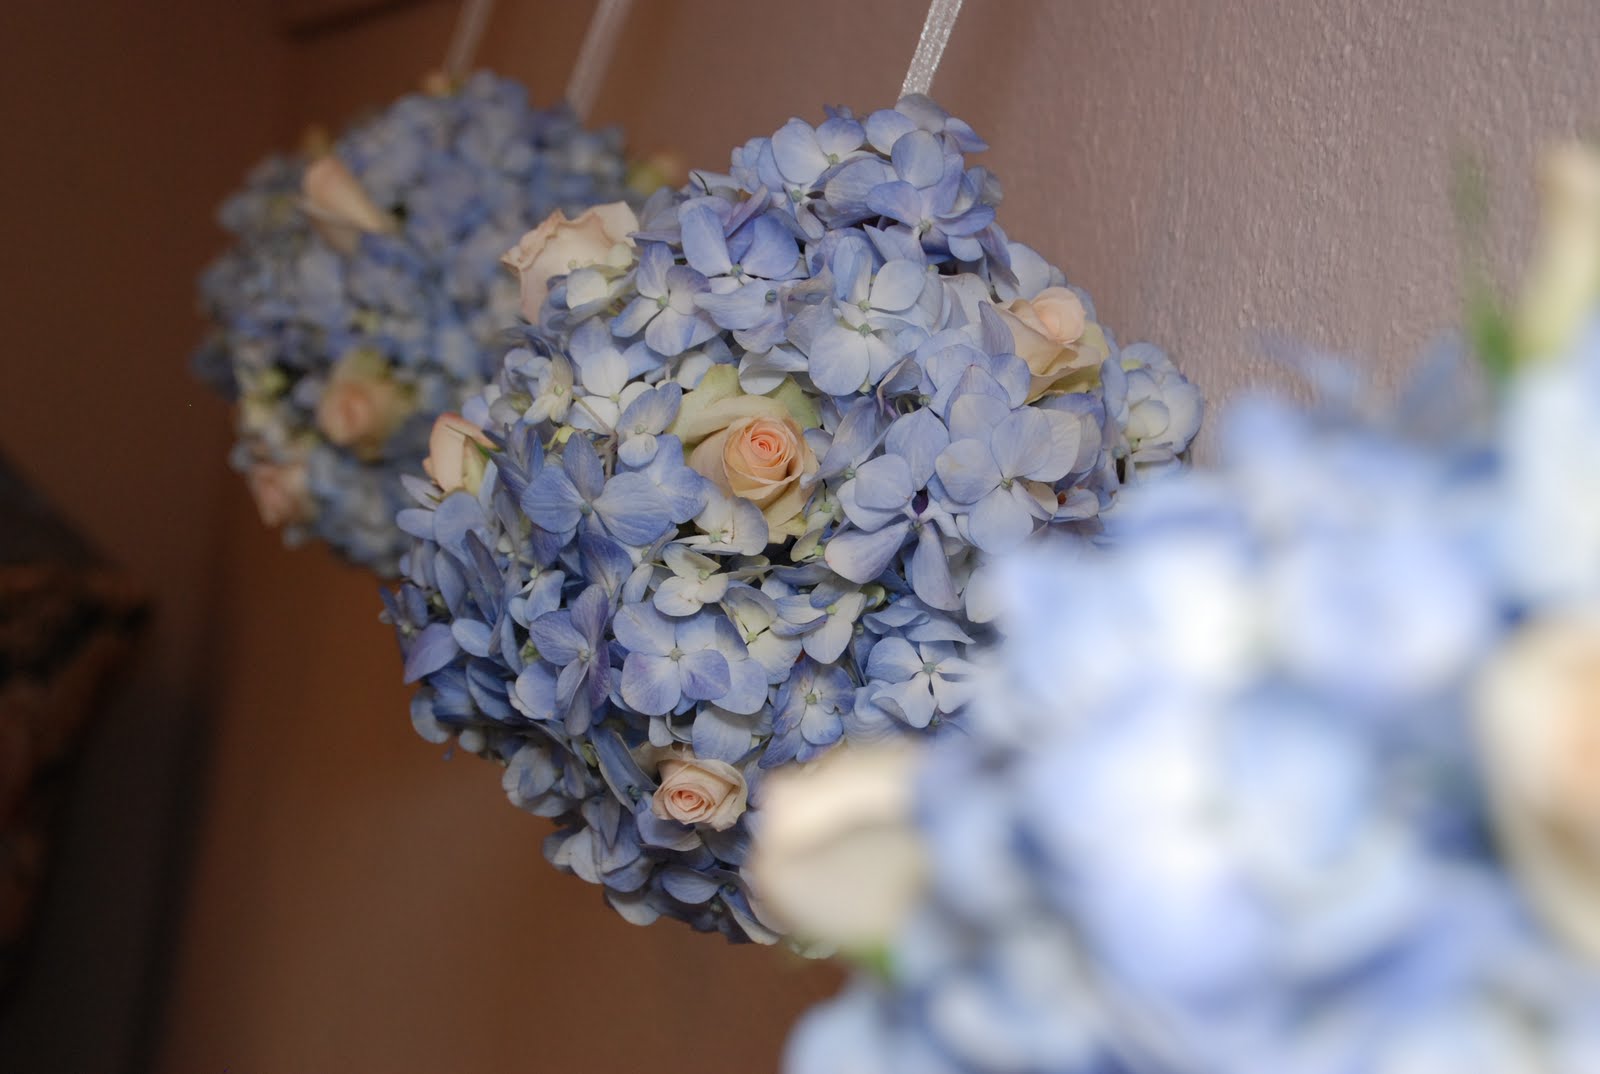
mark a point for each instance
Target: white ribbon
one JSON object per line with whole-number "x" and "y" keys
{"x": 930, "y": 46}
{"x": 588, "y": 72}
{"x": 470, "y": 23}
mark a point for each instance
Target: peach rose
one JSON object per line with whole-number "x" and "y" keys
{"x": 558, "y": 245}
{"x": 698, "y": 791}
{"x": 752, "y": 446}
{"x": 362, "y": 405}
{"x": 450, "y": 462}
{"x": 1539, "y": 721}
{"x": 1053, "y": 334}
{"x": 836, "y": 857}
{"x": 282, "y": 492}
{"x": 338, "y": 206}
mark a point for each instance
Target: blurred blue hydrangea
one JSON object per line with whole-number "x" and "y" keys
{"x": 364, "y": 295}
{"x": 736, "y": 489}
{"x": 1224, "y": 807}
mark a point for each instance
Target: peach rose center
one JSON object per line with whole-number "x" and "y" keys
{"x": 763, "y": 448}
{"x": 688, "y": 803}
{"x": 1060, "y": 314}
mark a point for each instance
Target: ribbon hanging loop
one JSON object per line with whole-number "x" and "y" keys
{"x": 930, "y": 46}
{"x": 599, "y": 43}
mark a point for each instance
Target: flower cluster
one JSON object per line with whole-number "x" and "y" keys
{"x": 1298, "y": 776}
{"x": 364, "y": 296}
{"x": 732, "y": 500}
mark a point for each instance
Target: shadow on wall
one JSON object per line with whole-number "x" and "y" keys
{"x": 125, "y": 131}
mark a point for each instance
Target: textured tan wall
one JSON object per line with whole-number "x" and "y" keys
{"x": 1208, "y": 170}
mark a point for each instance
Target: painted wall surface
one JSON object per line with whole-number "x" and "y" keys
{"x": 1210, "y": 171}
{"x": 123, "y": 124}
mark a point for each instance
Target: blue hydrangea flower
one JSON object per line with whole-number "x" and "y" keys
{"x": 744, "y": 482}
{"x": 1218, "y": 805}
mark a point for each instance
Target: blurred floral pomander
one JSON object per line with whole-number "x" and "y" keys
{"x": 364, "y": 296}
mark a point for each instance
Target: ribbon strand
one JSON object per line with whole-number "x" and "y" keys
{"x": 470, "y": 25}
{"x": 930, "y": 46}
{"x": 588, "y": 72}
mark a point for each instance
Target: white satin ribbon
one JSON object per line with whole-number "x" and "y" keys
{"x": 599, "y": 43}
{"x": 930, "y": 46}
{"x": 470, "y": 24}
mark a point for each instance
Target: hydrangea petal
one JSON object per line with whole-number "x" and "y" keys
{"x": 918, "y": 158}
{"x": 884, "y": 483}
{"x": 433, "y": 648}
{"x": 634, "y": 509}
{"x": 797, "y": 154}
{"x": 650, "y": 683}
{"x": 641, "y": 629}
{"x": 967, "y": 470}
{"x": 705, "y": 675}
{"x": 704, "y": 245}
{"x": 862, "y": 556}
{"x": 720, "y": 735}
{"x": 999, "y": 521}
{"x": 535, "y": 692}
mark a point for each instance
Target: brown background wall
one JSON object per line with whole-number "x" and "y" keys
{"x": 1208, "y": 170}
{"x": 122, "y": 124}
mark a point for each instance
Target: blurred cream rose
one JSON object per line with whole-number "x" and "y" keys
{"x": 558, "y": 245}
{"x": 1539, "y": 723}
{"x": 262, "y": 402}
{"x": 699, "y": 791}
{"x": 362, "y": 405}
{"x": 450, "y": 462}
{"x": 338, "y": 206}
{"x": 664, "y": 167}
{"x": 835, "y": 857}
{"x": 1564, "y": 280}
{"x": 282, "y": 492}
{"x": 1054, "y": 335}
{"x": 440, "y": 83}
{"x": 752, "y": 446}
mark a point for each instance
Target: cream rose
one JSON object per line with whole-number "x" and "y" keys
{"x": 338, "y": 205}
{"x": 558, "y": 245}
{"x": 451, "y": 462}
{"x": 362, "y": 405}
{"x": 1053, "y": 334}
{"x": 835, "y": 857}
{"x": 751, "y": 446}
{"x": 695, "y": 790}
{"x": 1539, "y": 721}
{"x": 282, "y": 492}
